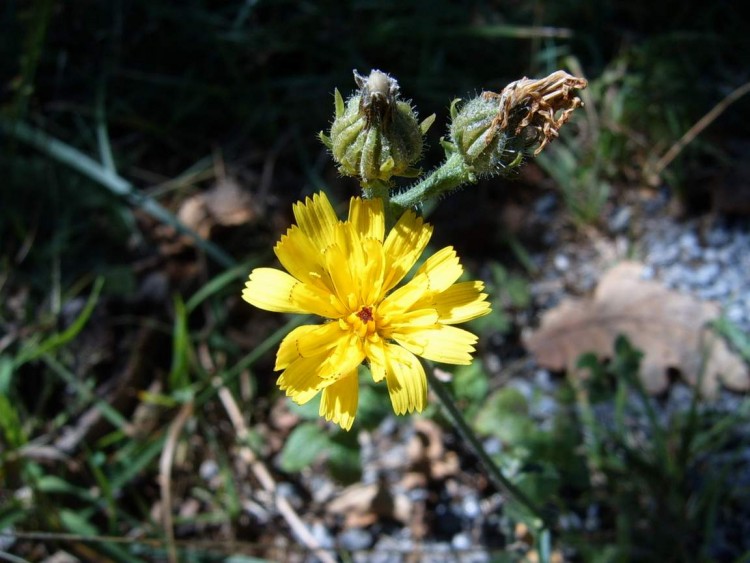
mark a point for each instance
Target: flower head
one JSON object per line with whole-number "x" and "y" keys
{"x": 349, "y": 272}
{"x": 375, "y": 134}
{"x": 494, "y": 131}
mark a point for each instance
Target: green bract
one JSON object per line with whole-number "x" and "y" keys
{"x": 375, "y": 136}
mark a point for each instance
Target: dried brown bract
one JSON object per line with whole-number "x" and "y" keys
{"x": 537, "y": 108}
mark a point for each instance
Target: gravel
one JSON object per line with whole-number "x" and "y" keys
{"x": 712, "y": 264}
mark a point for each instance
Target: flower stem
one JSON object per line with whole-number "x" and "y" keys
{"x": 495, "y": 474}
{"x": 451, "y": 174}
{"x": 382, "y": 190}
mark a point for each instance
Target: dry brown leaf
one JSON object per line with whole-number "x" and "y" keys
{"x": 364, "y": 504}
{"x": 670, "y": 328}
{"x": 225, "y": 204}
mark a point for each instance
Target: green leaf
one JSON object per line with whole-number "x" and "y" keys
{"x": 374, "y": 404}
{"x": 470, "y": 383}
{"x": 304, "y": 445}
{"x": 506, "y": 416}
{"x": 344, "y": 463}
{"x": 74, "y": 523}
{"x": 308, "y": 411}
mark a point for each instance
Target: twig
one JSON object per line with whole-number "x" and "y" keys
{"x": 655, "y": 174}
{"x": 267, "y": 481}
{"x": 165, "y": 475}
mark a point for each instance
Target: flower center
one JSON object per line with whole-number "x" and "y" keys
{"x": 365, "y": 314}
{"x": 362, "y": 322}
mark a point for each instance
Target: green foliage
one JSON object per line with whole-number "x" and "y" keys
{"x": 303, "y": 446}
{"x": 507, "y": 292}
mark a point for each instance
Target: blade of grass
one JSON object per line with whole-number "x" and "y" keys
{"x": 110, "y": 413}
{"x": 134, "y": 462}
{"x": 510, "y": 32}
{"x": 178, "y": 375}
{"x": 218, "y": 283}
{"x": 32, "y": 352}
{"x": 82, "y": 163}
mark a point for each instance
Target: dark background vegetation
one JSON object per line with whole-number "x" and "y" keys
{"x": 182, "y": 92}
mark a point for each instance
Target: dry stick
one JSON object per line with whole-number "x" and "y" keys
{"x": 267, "y": 481}
{"x": 654, "y": 176}
{"x": 165, "y": 475}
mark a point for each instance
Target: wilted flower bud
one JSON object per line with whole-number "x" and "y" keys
{"x": 376, "y": 135}
{"x": 493, "y": 131}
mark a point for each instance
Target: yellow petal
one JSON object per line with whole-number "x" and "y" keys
{"x": 338, "y": 402}
{"x": 407, "y": 383}
{"x": 337, "y": 266}
{"x": 442, "y": 269}
{"x": 310, "y": 299}
{"x": 446, "y": 344}
{"x": 301, "y": 381}
{"x": 405, "y": 243}
{"x": 289, "y": 349}
{"x": 308, "y": 341}
{"x": 345, "y": 357}
{"x": 367, "y": 217}
{"x": 327, "y": 337}
{"x": 417, "y": 289}
{"x": 302, "y": 259}
{"x": 271, "y": 289}
{"x": 421, "y": 318}
{"x": 459, "y": 303}
{"x": 317, "y": 219}
{"x": 375, "y": 352}
{"x": 373, "y": 272}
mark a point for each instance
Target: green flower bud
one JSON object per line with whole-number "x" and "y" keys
{"x": 493, "y": 132}
{"x": 375, "y": 135}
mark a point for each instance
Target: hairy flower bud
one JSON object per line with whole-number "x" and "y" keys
{"x": 375, "y": 135}
{"x": 494, "y": 131}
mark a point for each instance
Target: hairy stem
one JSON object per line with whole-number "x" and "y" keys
{"x": 450, "y": 175}
{"x": 495, "y": 474}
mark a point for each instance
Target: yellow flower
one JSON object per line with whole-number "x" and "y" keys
{"x": 346, "y": 271}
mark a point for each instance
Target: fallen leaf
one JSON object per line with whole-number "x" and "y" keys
{"x": 670, "y": 328}
{"x": 226, "y": 204}
{"x": 364, "y": 504}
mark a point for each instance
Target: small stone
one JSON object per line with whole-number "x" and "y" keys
{"x": 689, "y": 245}
{"x": 546, "y": 204}
{"x": 663, "y": 254}
{"x": 492, "y": 446}
{"x": 461, "y": 542}
{"x": 355, "y": 539}
{"x": 543, "y": 380}
{"x": 544, "y": 408}
{"x": 735, "y": 312}
{"x": 322, "y": 535}
{"x": 208, "y": 469}
{"x": 718, "y": 290}
{"x": 620, "y": 221}
{"x": 523, "y": 386}
{"x": 705, "y": 274}
{"x": 288, "y": 491}
{"x": 570, "y": 521}
{"x": 562, "y": 263}
{"x": 718, "y": 236}
{"x": 471, "y": 507}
